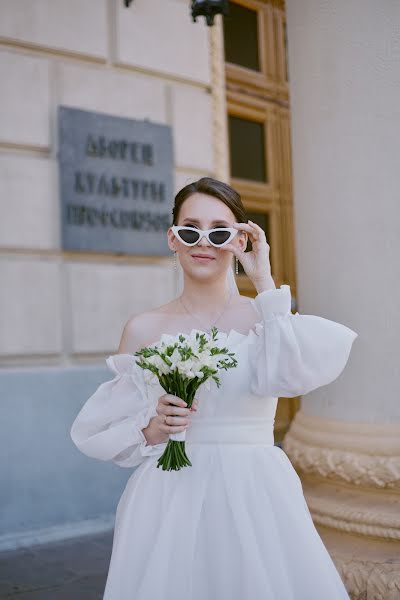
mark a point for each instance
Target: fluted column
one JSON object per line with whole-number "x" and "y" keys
{"x": 220, "y": 126}
{"x": 344, "y": 61}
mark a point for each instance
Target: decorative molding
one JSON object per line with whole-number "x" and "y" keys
{"x": 48, "y": 51}
{"x": 366, "y": 438}
{"x": 351, "y": 480}
{"x": 356, "y": 453}
{"x": 375, "y": 520}
{"x": 368, "y": 580}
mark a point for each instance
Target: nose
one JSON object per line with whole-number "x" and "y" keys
{"x": 203, "y": 241}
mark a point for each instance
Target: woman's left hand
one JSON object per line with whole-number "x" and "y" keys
{"x": 256, "y": 263}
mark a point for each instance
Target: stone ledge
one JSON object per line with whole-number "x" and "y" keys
{"x": 357, "y": 453}
{"x": 374, "y": 513}
{"x": 370, "y": 571}
{"x": 350, "y": 478}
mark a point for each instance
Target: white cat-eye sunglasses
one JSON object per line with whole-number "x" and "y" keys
{"x": 190, "y": 236}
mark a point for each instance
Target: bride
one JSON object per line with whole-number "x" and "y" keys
{"x": 235, "y": 525}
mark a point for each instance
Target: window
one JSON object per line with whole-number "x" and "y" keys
{"x": 241, "y": 37}
{"x": 247, "y": 149}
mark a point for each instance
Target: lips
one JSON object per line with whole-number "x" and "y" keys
{"x": 202, "y": 256}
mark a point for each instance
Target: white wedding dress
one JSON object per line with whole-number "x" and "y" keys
{"x": 235, "y": 525}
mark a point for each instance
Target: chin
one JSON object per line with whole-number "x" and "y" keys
{"x": 203, "y": 273}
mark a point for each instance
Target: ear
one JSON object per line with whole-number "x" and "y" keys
{"x": 171, "y": 240}
{"x": 243, "y": 241}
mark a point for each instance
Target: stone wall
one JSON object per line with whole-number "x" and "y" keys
{"x": 62, "y": 313}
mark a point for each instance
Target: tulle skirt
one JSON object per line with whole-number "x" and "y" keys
{"x": 234, "y": 526}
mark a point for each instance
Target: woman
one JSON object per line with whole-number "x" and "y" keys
{"x": 234, "y": 525}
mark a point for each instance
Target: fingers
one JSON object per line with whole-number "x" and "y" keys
{"x": 232, "y": 248}
{"x": 174, "y": 424}
{"x": 167, "y": 400}
{"x": 251, "y": 228}
{"x": 172, "y": 399}
{"x": 172, "y": 409}
{"x": 195, "y": 405}
{"x": 174, "y": 414}
{"x": 171, "y": 429}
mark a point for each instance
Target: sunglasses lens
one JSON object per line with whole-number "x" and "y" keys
{"x": 188, "y": 235}
{"x": 219, "y": 237}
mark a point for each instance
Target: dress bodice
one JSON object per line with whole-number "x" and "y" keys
{"x": 234, "y": 396}
{"x": 286, "y": 355}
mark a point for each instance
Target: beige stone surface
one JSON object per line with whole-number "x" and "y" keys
{"x": 350, "y": 478}
{"x": 345, "y": 98}
{"x": 124, "y": 94}
{"x": 24, "y": 77}
{"x": 369, "y": 568}
{"x": 29, "y": 202}
{"x": 160, "y": 35}
{"x": 75, "y": 26}
{"x": 104, "y": 296}
{"x": 30, "y": 307}
{"x": 193, "y": 126}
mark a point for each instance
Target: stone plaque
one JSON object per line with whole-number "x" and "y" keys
{"x": 116, "y": 183}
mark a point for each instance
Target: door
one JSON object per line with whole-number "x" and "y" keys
{"x": 258, "y": 107}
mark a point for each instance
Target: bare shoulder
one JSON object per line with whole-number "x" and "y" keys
{"x": 243, "y": 303}
{"x": 245, "y": 312}
{"x": 143, "y": 328}
{"x": 244, "y": 300}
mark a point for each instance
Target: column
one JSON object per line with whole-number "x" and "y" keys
{"x": 344, "y": 66}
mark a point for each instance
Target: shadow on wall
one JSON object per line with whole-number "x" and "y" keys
{"x": 46, "y": 481}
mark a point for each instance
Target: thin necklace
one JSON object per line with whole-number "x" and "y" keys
{"x": 208, "y": 330}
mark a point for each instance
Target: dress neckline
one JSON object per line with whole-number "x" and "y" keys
{"x": 227, "y": 335}
{"x": 129, "y": 359}
{"x": 124, "y": 362}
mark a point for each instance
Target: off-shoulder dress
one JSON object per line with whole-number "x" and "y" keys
{"x": 235, "y": 525}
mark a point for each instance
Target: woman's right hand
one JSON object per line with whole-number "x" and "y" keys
{"x": 173, "y": 415}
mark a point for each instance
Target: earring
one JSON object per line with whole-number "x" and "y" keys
{"x": 175, "y": 273}
{"x": 237, "y": 266}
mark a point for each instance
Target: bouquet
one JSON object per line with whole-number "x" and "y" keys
{"x": 181, "y": 366}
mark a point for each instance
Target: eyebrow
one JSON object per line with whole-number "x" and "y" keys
{"x": 212, "y": 222}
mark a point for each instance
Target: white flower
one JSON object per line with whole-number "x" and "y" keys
{"x": 185, "y": 367}
{"x": 170, "y": 348}
{"x": 159, "y": 363}
{"x": 175, "y": 358}
{"x": 208, "y": 360}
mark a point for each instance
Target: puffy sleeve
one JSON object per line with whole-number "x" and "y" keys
{"x": 294, "y": 354}
{"x": 109, "y": 425}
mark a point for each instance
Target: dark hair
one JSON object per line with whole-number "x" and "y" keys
{"x": 212, "y": 187}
